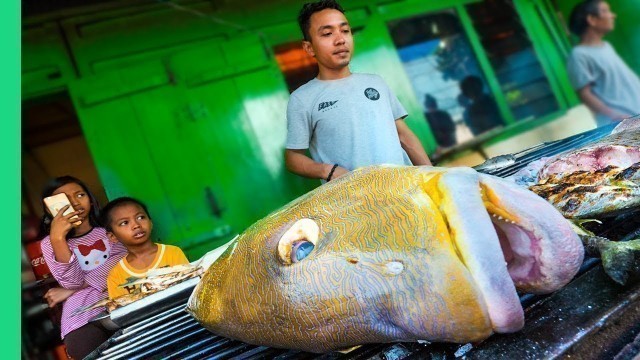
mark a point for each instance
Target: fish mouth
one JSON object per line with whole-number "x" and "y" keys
{"x": 502, "y": 235}
{"x": 521, "y": 248}
{"x": 541, "y": 250}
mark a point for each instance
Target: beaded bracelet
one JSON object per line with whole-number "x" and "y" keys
{"x": 331, "y": 172}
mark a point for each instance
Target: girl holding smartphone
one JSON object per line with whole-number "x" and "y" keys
{"x": 80, "y": 256}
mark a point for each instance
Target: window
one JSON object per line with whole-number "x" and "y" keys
{"x": 445, "y": 76}
{"x": 512, "y": 58}
{"x": 296, "y": 65}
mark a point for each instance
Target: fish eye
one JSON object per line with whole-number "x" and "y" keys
{"x": 300, "y": 250}
{"x": 298, "y": 241}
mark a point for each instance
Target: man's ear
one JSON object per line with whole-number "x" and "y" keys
{"x": 306, "y": 45}
{"x": 591, "y": 19}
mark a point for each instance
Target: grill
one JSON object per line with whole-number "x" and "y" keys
{"x": 590, "y": 318}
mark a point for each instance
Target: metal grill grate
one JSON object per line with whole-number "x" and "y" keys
{"x": 569, "y": 321}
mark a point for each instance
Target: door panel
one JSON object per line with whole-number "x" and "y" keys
{"x": 120, "y": 152}
{"x": 171, "y": 123}
{"x": 202, "y": 144}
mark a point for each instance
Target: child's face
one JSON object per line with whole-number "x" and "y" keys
{"x": 130, "y": 225}
{"x": 78, "y": 198}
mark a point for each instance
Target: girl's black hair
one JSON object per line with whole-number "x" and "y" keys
{"x": 308, "y": 9}
{"x": 105, "y": 219}
{"x": 53, "y": 185}
{"x": 578, "y": 23}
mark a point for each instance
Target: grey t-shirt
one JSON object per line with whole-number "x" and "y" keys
{"x": 612, "y": 81}
{"x": 349, "y": 121}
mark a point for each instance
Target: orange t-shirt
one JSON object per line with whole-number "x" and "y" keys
{"x": 167, "y": 255}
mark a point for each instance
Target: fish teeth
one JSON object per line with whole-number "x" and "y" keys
{"x": 503, "y": 219}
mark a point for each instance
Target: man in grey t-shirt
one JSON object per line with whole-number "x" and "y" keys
{"x": 603, "y": 81}
{"x": 345, "y": 120}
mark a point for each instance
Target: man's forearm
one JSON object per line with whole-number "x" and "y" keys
{"x": 300, "y": 164}
{"x": 411, "y": 144}
{"x": 596, "y": 105}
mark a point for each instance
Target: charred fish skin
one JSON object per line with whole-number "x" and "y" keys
{"x": 620, "y": 149}
{"x": 588, "y": 202}
{"x": 610, "y": 175}
{"x": 392, "y": 259}
{"x": 593, "y": 194}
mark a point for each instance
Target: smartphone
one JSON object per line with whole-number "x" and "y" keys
{"x": 57, "y": 202}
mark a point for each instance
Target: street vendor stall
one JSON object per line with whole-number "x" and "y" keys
{"x": 591, "y": 317}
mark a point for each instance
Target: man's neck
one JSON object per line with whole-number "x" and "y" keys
{"x": 591, "y": 37}
{"x": 333, "y": 74}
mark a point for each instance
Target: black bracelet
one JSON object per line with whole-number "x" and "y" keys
{"x": 331, "y": 172}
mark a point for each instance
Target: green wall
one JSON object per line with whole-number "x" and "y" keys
{"x": 187, "y": 112}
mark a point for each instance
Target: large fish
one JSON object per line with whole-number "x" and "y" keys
{"x": 628, "y": 124}
{"x": 389, "y": 254}
{"x": 620, "y": 149}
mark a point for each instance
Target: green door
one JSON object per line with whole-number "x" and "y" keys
{"x": 173, "y": 125}
{"x": 117, "y": 142}
{"x": 208, "y": 142}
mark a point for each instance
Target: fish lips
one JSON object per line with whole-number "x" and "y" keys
{"x": 505, "y": 237}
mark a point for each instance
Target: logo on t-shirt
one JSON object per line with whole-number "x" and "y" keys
{"x": 94, "y": 255}
{"x": 372, "y": 94}
{"x": 324, "y": 106}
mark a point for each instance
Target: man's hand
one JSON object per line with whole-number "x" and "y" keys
{"x": 57, "y": 295}
{"x": 339, "y": 171}
{"x": 597, "y": 106}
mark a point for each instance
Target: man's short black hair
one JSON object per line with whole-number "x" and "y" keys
{"x": 106, "y": 212}
{"x": 308, "y": 9}
{"x": 578, "y": 19}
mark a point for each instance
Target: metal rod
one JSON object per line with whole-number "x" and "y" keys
{"x": 144, "y": 343}
{"x": 178, "y": 340}
{"x": 193, "y": 347}
{"x": 198, "y": 355}
{"x": 153, "y": 320}
{"x": 224, "y": 354}
{"x": 148, "y": 336}
{"x": 164, "y": 324}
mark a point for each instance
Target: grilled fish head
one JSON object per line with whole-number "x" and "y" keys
{"x": 389, "y": 253}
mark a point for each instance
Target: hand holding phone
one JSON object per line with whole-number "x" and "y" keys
{"x": 55, "y": 203}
